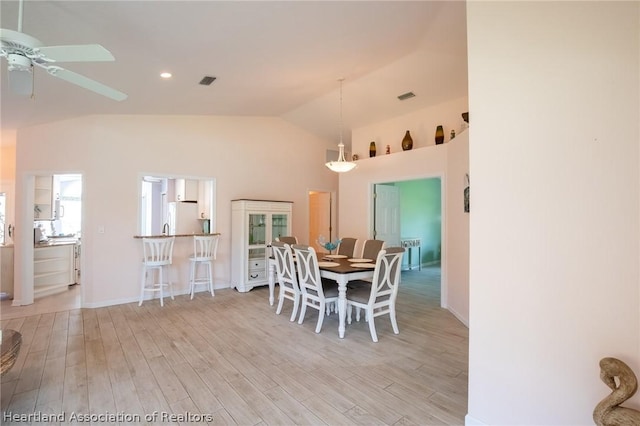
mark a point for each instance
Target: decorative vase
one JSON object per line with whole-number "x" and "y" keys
{"x": 372, "y": 149}
{"x": 407, "y": 142}
{"x": 439, "y": 135}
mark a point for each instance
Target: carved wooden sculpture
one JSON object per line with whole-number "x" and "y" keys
{"x": 608, "y": 412}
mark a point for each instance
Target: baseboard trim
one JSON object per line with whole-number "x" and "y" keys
{"x": 472, "y": 421}
{"x": 146, "y": 299}
{"x": 459, "y": 317}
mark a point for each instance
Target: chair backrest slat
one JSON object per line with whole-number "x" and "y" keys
{"x": 308, "y": 271}
{"x": 288, "y": 240}
{"x": 205, "y": 246}
{"x": 347, "y": 246}
{"x": 285, "y": 267}
{"x": 386, "y": 276}
{"x": 158, "y": 250}
{"x": 371, "y": 248}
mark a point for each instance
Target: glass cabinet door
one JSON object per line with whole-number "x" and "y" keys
{"x": 279, "y": 225}
{"x": 257, "y": 228}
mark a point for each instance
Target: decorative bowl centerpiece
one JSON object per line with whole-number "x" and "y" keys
{"x": 328, "y": 245}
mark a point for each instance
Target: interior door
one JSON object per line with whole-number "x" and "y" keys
{"x": 319, "y": 218}
{"x": 386, "y": 209}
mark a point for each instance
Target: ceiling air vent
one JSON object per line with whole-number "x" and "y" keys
{"x": 207, "y": 80}
{"x": 406, "y": 96}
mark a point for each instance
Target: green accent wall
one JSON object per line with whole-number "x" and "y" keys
{"x": 421, "y": 217}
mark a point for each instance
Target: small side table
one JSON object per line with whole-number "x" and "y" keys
{"x": 10, "y": 342}
{"x": 409, "y": 244}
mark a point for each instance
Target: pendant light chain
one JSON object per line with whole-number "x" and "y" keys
{"x": 341, "y": 80}
{"x": 342, "y": 165}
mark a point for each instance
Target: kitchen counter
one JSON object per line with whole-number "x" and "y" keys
{"x": 175, "y": 235}
{"x": 56, "y": 242}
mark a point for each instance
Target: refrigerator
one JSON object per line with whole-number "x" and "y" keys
{"x": 182, "y": 218}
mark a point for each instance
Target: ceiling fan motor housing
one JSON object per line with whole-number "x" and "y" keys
{"x": 18, "y": 63}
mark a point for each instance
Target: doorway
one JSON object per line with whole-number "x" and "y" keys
{"x": 321, "y": 218}
{"x": 57, "y": 239}
{"x": 408, "y": 211}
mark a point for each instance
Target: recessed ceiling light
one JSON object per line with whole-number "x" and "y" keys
{"x": 165, "y": 74}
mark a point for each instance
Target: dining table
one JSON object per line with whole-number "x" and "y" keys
{"x": 340, "y": 269}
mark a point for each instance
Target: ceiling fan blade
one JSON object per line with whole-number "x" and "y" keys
{"x": 76, "y": 53}
{"x": 87, "y": 83}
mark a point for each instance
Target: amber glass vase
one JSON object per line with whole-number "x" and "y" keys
{"x": 407, "y": 142}
{"x": 372, "y": 149}
{"x": 439, "y": 135}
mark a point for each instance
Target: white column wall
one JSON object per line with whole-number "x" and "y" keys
{"x": 554, "y": 102}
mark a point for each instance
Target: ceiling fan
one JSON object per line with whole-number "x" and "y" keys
{"x": 23, "y": 52}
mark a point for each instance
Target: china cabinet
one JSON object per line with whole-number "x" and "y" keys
{"x": 254, "y": 224}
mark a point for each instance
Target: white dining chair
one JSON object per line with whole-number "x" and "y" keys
{"x": 205, "y": 249}
{"x": 287, "y": 279}
{"x": 371, "y": 248}
{"x": 157, "y": 260}
{"x": 288, "y": 240}
{"x": 347, "y": 246}
{"x": 315, "y": 291}
{"x": 379, "y": 298}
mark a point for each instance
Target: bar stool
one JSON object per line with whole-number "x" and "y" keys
{"x": 205, "y": 249}
{"x": 158, "y": 255}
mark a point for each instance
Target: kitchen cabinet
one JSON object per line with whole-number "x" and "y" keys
{"x": 43, "y": 198}
{"x": 6, "y": 271}
{"x": 187, "y": 190}
{"x": 254, "y": 224}
{"x": 204, "y": 199}
{"x": 53, "y": 269}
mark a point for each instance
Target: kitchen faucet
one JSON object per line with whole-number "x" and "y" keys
{"x": 165, "y": 229}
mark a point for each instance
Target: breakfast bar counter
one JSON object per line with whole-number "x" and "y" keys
{"x": 181, "y": 252}
{"x": 174, "y": 235}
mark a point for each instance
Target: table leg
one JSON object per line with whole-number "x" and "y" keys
{"x": 342, "y": 304}
{"x": 272, "y": 281}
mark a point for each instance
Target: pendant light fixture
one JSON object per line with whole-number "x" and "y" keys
{"x": 341, "y": 165}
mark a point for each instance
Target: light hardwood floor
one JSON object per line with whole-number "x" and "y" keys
{"x": 67, "y": 300}
{"x": 232, "y": 358}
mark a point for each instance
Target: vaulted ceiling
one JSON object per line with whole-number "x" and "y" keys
{"x": 269, "y": 59}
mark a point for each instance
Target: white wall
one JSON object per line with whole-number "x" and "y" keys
{"x": 250, "y": 157}
{"x": 456, "y": 222}
{"x": 355, "y": 201}
{"x": 554, "y": 102}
